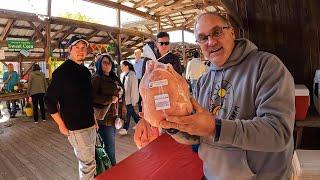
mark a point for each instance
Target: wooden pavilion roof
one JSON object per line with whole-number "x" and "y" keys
{"x": 164, "y": 15}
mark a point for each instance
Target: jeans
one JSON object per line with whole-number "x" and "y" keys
{"x": 83, "y": 142}
{"x": 140, "y": 99}
{"x": 37, "y": 99}
{"x": 193, "y": 84}
{"x": 107, "y": 134}
{"x": 130, "y": 113}
{"x": 12, "y": 107}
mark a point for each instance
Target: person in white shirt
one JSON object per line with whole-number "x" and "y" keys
{"x": 195, "y": 69}
{"x": 138, "y": 69}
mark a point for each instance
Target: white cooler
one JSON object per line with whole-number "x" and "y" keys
{"x": 306, "y": 165}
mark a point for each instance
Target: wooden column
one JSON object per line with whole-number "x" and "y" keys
{"x": 48, "y": 37}
{"x": 184, "y": 50}
{"x": 119, "y": 36}
{"x": 158, "y": 25}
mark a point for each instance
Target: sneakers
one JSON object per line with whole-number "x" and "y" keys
{"x": 44, "y": 120}
{"x": 123, "y": 132}
{"x": 36, "y": 122}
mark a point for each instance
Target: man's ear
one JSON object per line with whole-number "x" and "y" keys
{"x": 233, "y": 34}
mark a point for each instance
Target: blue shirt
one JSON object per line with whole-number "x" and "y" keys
{"x": 138, "y": 68}
{"x": 14, "y": 79}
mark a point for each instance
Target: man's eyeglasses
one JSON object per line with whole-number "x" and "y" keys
{"x": 215, "y": 33}
{"x": 164, "y": 43}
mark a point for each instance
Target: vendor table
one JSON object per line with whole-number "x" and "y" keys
{"x": 15, "y": 96}
{"x": 163, "y": 158}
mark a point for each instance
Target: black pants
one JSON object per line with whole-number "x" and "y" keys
{"x": 130, "y": 113}
{"x": 37, "y": 99}
{"x": 140, "y": 99}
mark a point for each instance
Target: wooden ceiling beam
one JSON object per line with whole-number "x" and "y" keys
{"x": 149, "y": 29}
{"x": 37, "y": 31}
{"x": 139, "y": 4}
{"x": 66, "y": 34}
{"x": 7, "y": 29}
{"x": 170, "y": 11}
{"x": 125, "y": 8}
{"x": 92, "y": 34}
{"x": 25, "y": 59}
{"x": 160, "y": 4}
{"x": 57, "y": 32}
{"x": 189, "y": 20}
{"x": 175, "y": 4}
{"x": 170, "y": 20}
{"x": 17, "y": 15}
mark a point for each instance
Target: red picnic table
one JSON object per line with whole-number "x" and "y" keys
{"x": 162, "y": 159}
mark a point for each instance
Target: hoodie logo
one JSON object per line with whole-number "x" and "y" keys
{"x": 222, "y": 100}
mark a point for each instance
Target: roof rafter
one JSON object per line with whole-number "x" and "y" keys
{"x": 125, "y": 8}
{"x": 7, "y": 29}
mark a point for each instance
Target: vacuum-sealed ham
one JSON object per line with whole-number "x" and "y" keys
{"x": 164, "y": 92}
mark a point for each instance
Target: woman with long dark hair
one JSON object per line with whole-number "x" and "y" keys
{"x": 130, "y": 83}
{"x": 37, "y": 86}
{"x": 106, "y": 92}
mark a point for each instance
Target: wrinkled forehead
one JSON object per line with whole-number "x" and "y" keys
{"x": 206, "y": 22}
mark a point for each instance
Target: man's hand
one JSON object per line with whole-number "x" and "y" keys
{"x": 201, "y": 123}
{"x": 63, "y": 129}
{"x": 143, "y": 135}
{"x": 114, "y": 99}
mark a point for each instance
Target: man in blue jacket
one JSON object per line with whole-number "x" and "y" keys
{"x": 244, "y": 108}
{"x": 11, "y": 79}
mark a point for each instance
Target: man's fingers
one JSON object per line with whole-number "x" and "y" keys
{"x": 179, "y": 120}
{"x": 168, "y": 125}
{"x": 196, "y": 105}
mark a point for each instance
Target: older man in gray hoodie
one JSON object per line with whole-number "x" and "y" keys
{"x": 244, "y": 110}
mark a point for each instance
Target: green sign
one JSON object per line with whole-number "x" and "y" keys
{"x": 20, "y": 44}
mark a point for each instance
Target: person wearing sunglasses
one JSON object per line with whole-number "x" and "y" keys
{"x": 163, "y": 53}
{"x": 107, "y": 89}
{"x": 244, "y": 108}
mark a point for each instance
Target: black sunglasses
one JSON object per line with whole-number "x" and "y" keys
{"x": 164, "y": 43}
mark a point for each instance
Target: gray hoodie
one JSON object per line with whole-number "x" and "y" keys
{"x": 37, "y": 83}
{"x": 253, "y": 95}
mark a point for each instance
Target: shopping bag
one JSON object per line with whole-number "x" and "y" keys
{"x": 102, "y": 160}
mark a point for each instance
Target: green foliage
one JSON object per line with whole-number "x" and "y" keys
{"x": 78, "y": 16}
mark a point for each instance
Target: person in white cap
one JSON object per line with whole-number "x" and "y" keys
{"x": 71, "y": 88}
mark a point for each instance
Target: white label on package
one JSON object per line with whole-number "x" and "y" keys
{"x": 159, "y": 83}
{"x": 162, "y": 101}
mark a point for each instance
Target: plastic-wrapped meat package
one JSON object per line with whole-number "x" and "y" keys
{"x": 164, "y": 92}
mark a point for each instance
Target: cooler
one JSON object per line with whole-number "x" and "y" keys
{"x": 302, "y": 101}
{"x": 306, "y": 165}
{"x": 316, "y": 90}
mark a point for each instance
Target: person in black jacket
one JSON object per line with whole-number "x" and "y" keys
{"x": 106, "y": 91}
{"x": 163, "y": 53}
{"x": 71, "y": 91}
